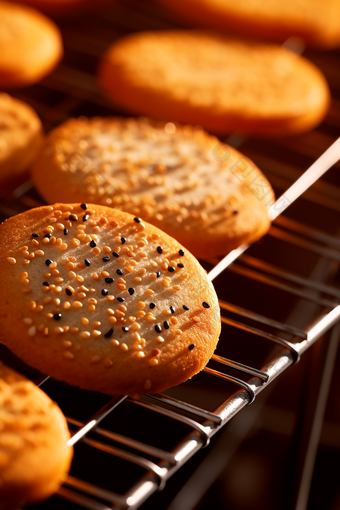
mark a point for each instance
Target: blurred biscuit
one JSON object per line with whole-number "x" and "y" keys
{"x": 21, "y": 140}
{"x": 220, "y": 83}
{"x": 30, "y": 45}
{"x": 317, "y": 23}
{"x": 34, "y": 456}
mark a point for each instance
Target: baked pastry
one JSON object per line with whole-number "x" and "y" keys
{"x": 220, "y": 83}
{"x": 34, "y": 456}
{"x": 98, "y": 298}
{"x": 317, "y": 22}
{"x": 30, "y": 45}
{"x": 203, "y": 193}
{"x": 21, "y": 140}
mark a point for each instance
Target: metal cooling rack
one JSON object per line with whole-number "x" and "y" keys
{"x": 277, "y": 297}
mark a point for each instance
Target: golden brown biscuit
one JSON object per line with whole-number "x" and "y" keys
{"x": 205, "y": 194}
{"x": 30, "y": 45}
{"x": 222, "y": 84}
{"x": 34, "y": 456}
{"x": 316, "y": 22}
{"x": 21, "y": 140}
{"x": 97, "y": 298}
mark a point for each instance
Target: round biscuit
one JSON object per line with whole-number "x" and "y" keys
{"x": 203, "y": 193}
{"x": 220, "y": 83}
{"x": 317, "y": 23}
{"x": 97, "y": 298}
{"x": 30, "y": 45}
{"x": 34, "y": 456}
{"x": 21, "y": 140}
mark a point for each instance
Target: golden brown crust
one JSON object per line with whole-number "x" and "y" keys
{"x": 315, "y": 22}
{"x": 30, "y": 45}
{"x": 68, "y": 312}
{"x": 21, "y": 140}
{"x": 34, "y": 456}
{"x": 203, "y": 193}
{"x": 220, "y": 83}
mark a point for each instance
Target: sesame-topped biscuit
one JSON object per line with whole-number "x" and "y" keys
{"x": 316, "y": 22}
{"x": 203, "y": 193}
{"x": 98, "y": 298}
{"x": 34, "y": 455}
{"x": 21, "y": 140}
{"x": 221, "y": 83}
{"x": 30, "y": 45}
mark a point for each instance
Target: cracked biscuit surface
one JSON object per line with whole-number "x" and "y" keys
{"x": 203, "y": 193}
{"x": 102, "y": 300}
{"x": 34, "y": 456}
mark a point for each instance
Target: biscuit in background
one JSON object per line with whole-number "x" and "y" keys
{"x": 21, "y": 140}
{"x": 220, "y": 83}
{"x": 34, "y": 456}
{"x": 30, "y": 45}
{"x": 95, "y": 297}
{"x": 203, "y": 193}
{"x": 317, "y": 23}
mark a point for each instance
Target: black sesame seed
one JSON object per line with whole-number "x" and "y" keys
{"x": 131, "y": 291}
{"x": 48, "y": 262}
{"x": 172, "y": 309}
{"x": 123, "y": 240}
{"x": 121, "y": 299}
{"x": 180, "y": 265}
{"x": 191, "y": 347}
{"x": 158, "y": 328}
{"x": 171, "y": 269}
{"x": 137, "y": 220}
{"x": 120, "y": 272}
{"x": 57, "y": 316}
{"x": 166, "y": 325}
{"x": 185, "y": 307}
{"x": 105, "y": 292}
{"x": 87, "y": 262}
{"x": 181, "y": 252}
{"x": 93, "y": 244}
{"x": 109, "y": 279}
{"x": 235, "y": 212}
{"x": 85, "y": 217}
{"x": 159, "y": 249}
{"x": 105, "y": 259}
{"x": 46, "y": 284}
{"x": 72, "y": 218}
{"x": 48, "y": 235}
{"x": 125, "y": 329}
{"x": 152, "y": 305}
{"x": 206, "y": 305}
{"x": 109, "y": 333}
{"x": 115, "y": 254}
{"x": 83, "y": 206}
{"x": 65, "y": 231}
{"x": 158, "y": 274}
{"x": 35, "y": 235}
{"x": 68, "y": 292}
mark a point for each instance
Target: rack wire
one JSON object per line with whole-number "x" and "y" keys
{"x": 277, "y": 297}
